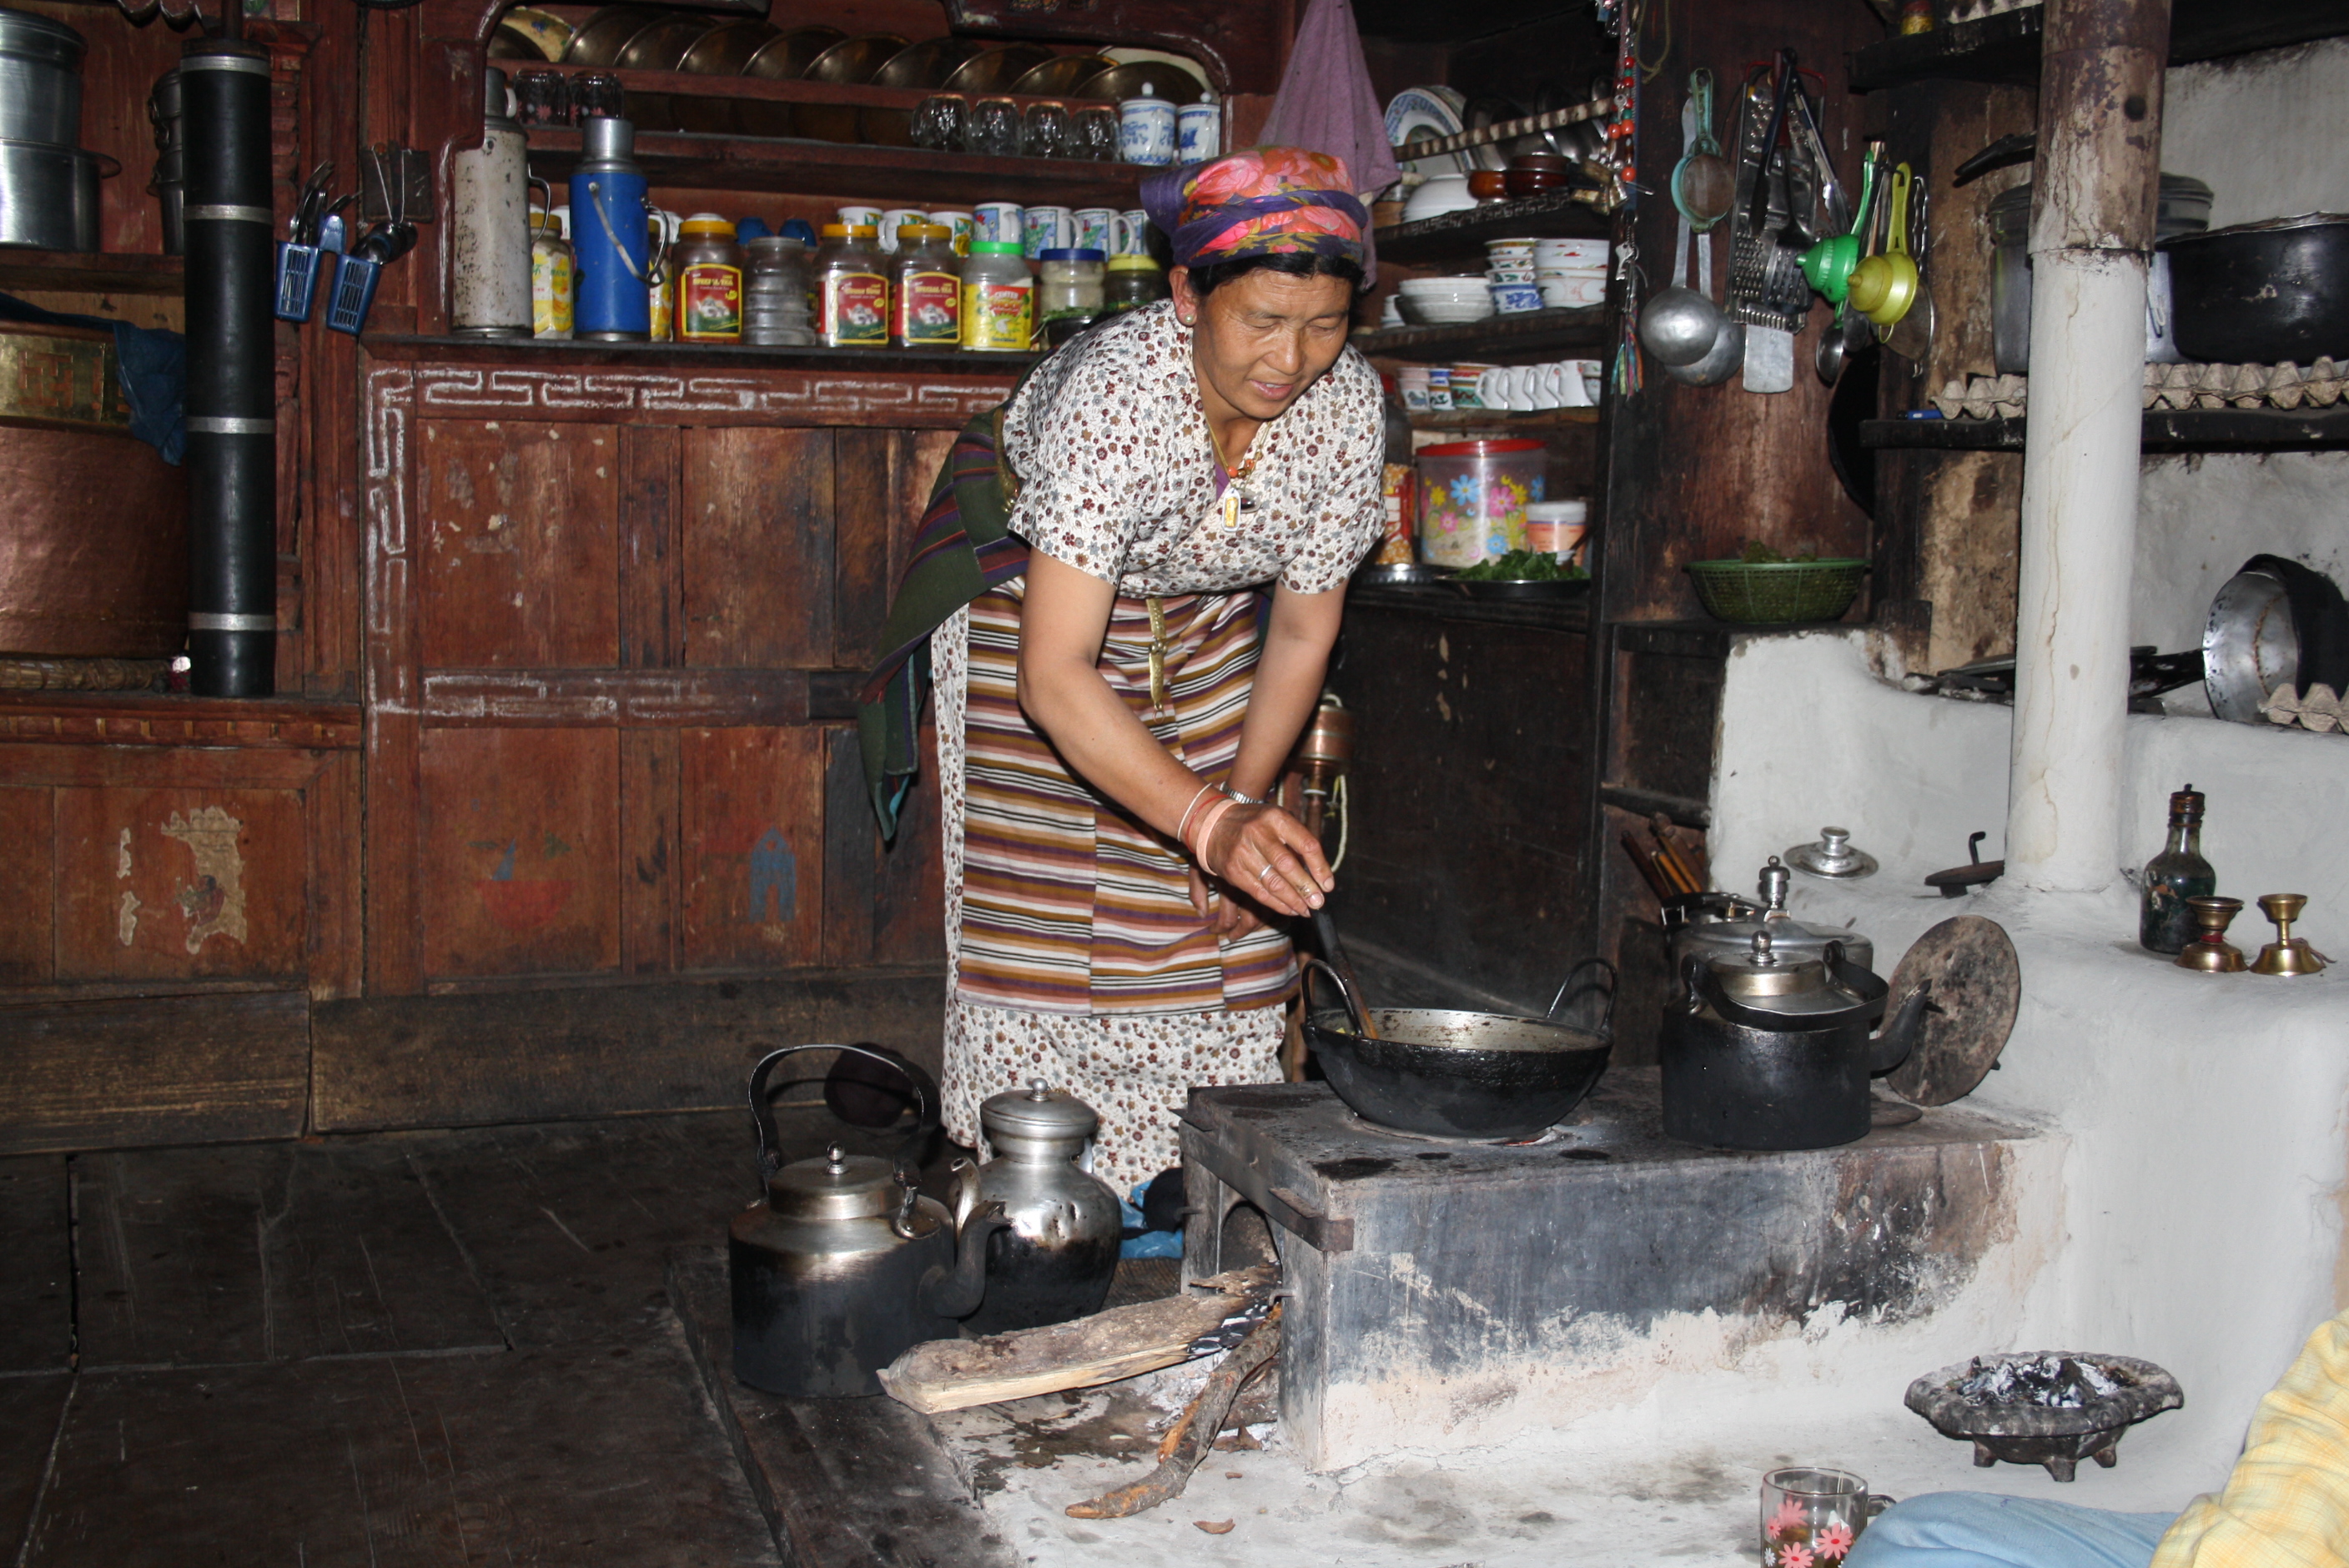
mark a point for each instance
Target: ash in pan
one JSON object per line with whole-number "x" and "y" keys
{"x": 2057, "y": 1382}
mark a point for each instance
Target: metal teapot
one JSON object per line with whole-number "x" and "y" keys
{"x": 845, "y": 1265}
{"x": 1767, "y": 1049}
{"x": 1055, "y": 1260}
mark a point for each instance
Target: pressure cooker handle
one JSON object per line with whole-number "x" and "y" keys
{"x": 1606, "y": 1017}
{"x": 762, "y": 1115}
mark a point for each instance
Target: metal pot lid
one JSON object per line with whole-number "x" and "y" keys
{"x": 1765, "y": 978}
{"x": 1790, "y": 937}
{"x": 2265, "y": 226}
{"x": 1977, "y": 991}
{"x": 30, "y": 36}
{"x": 2251, "y": 646}
{"x": 838, "y": 1186}
{"x": 1832, "y": 856}
{"x": 1038, "y": 1111}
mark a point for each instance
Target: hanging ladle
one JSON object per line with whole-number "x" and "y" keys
{"x": 1884, "y": 286}
{"x": 1681, "y": 324}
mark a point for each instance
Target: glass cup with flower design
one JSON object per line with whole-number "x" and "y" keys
{"x": 1811, "y": 1517}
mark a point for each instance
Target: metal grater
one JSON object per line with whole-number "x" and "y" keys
{"x": 1767, "y": 287}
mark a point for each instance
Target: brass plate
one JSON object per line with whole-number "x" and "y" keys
{"x": 60, "y": 379}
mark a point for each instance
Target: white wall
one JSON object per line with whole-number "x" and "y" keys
{"x": 2265, "y": 131}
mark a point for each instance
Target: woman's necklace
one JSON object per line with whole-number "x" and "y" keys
{"x": 1238, "y": 496}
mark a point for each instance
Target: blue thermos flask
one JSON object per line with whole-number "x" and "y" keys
{"x": 612, "y": 246}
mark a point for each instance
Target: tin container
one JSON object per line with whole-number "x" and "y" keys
{"x": 40, "y": 79}
{"x": 490, "y": 243}
{"x": 1473, "y": 497}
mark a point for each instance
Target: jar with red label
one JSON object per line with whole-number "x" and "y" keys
{"x": 927, "y": 289}
{"x": 852, "y": 288}
{"x": 709, "y": 268}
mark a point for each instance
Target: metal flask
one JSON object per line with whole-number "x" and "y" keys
{"x": 1055, "y": 1260}
{"x": 1728, "y": 924}
{"x": 844, "y": 1266}
{"x": 610, "y": 239}
{"x": 1767, "y": 1049}
{"x": 489, "y": 225}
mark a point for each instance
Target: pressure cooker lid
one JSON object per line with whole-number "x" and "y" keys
{"x": 836, "y": 1186}
{"x": 1770, "y": 979}
{"x": 1038, "y": 1111}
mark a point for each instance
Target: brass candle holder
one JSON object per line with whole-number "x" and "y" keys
{"x": 2208, "y": 951}
{"x": 2287, "y": 954}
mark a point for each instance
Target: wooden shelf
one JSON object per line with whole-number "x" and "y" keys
{"x": 90, "y": 271}
{"x": 1462, "y": 235}
{"x": 1590, "y": 327}
{"x": 1571, "y": 613}
{"x": 2005, "y": 48}
{"x": 1504, "y": 418}
{"x": 2165, "y": 430}
{"x": 702, "y": 356}
{"x": 786, "y": 164}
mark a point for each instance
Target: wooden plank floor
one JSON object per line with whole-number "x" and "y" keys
{"x": 36, "y": 1267}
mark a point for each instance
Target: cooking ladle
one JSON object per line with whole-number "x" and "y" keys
{"x": 1884, "y": 286}
{"x": 1681, "y": 324}
{"x": 1703, "y": 187}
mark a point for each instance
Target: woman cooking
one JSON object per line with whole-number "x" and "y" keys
{"x": 1127, "y": 585}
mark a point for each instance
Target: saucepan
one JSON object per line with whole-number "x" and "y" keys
{"x": 1463, "y": 1075}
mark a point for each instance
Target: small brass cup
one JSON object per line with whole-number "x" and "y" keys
{"x": 2210, "y": 953}
{"x": 2287, "y": 954}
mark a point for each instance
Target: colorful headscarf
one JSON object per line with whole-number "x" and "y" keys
{"x": 1265, "y": 202}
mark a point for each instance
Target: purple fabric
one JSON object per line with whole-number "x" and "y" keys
{"x": 1326, "y": 103}
{"x": 1195, "y": 240}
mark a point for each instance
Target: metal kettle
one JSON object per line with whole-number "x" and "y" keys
{"x": 845, "y": 1265}
{"x": 1769, "y": 1049}
{"x": 1055, "y": 1259}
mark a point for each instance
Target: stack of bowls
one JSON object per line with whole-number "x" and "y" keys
{"x": 1445, "y": 302}
{"x": 1509, "y": 275}
{"x": 1570, "y": 273}
{"x": 48, "y": 181}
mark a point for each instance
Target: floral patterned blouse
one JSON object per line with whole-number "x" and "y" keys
{"x": 1118, "y": 475}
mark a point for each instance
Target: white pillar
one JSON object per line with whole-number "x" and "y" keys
{"x": 2093, "y": 208}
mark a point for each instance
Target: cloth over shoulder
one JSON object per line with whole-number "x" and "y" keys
{"x": 2286, "y": 1505}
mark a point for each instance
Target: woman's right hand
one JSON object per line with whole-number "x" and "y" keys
{"x": 1270, "y": 856}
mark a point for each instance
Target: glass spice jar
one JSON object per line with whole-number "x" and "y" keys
{"x": 1132, "y": 282}
{"x": 852, "y": 289}
{"x": 1069, "y": 284}
{"x": 775, "y": 295}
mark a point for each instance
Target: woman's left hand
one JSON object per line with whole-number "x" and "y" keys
{"x": 1229, "y": 915}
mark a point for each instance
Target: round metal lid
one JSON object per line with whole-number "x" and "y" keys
{"x": 1038, "y": 1112}
{"x": 1832, "y": 856}
{"x": 1767, "y": 978}
{"x": 838, "y": 1186}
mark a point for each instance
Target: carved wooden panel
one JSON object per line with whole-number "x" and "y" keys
{"x": 28, "y": 881}
{"x": 751, "y": 833}
{"x": 757, "y": 553}
{"x": 521, "y": 527}
{"x": 519, "y": 843}
{"x": 181, "y": 883}
{"x": 684, "y": 398}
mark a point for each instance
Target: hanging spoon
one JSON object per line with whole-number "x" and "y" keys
{"x": 1911, "y": 336}
{"x": 1703, "y": 187}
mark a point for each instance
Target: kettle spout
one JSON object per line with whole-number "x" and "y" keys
{"x": 958, "y": 1292}
{"x": 1889, "y": 1046}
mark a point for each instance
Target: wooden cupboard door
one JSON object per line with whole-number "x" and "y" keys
{"x": 181, "y": 883}
{"x": 882, "y": 485}
{"x": 521, "y": 529}
{"x": 758, "y": 548}
{"x": 883, "y": 902}
{"x": 27, "y": 886}
{"x": 519, "y": 839}
{"x": 752, "y": 832}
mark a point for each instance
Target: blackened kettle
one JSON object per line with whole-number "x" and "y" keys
{"x": 1056, "y": 1258}
{"x": 845, "y": 1266}
{"x": 1765, "y": 1049}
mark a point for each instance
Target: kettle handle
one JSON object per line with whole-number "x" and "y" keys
{"x": 762, "y": 1115}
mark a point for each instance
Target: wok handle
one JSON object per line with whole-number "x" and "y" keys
{"x": 1345, "y": 993}
{"x": 1606, "y": 1018}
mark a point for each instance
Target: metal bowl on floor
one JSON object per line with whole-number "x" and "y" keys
{"x": 1445, "y": 1074}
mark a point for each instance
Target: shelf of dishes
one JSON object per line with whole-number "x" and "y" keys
{"x": 689, "y": 356}
{"x": 1588, "y": 327}
{"x": 716, "y": 75}
{"x": 682, "y": 161}
{"x": 1462, "y": 234}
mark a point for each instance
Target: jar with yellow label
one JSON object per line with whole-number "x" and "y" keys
{"x": 998, "y": 298}
{"x": 708, "y": 265}
{"x": 926, "y": 292}
{"x": 852, "y": 289}
{"x": 550, "y": 277}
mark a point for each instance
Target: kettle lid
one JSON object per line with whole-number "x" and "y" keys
{"x": 1038, "y": 1111}
{"x": 835, "y": 1186}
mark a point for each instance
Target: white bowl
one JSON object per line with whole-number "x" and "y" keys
{"x": 1556, "y": 291}
{"x": 1439, "y": 194}
{"x": 1452, "y": 314}
{"x": 1463, "y": 283}
{"x": 1571, "y": 253}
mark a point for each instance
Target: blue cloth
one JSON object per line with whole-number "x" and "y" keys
{"x": 1149, "y": 1244}
{"x": 1981, "y": 1530}
{"x": 150, "y": 363}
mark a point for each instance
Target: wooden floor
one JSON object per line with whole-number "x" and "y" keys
{"x": 412, "y": 1348}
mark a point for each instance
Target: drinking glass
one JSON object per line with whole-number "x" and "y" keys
{"x": 1044, "y": 133}
{"x": 941, "y": 120}
{"x": 542, "y": 97}
{"x": 598, "y": 96}
{"x": 1093, "y": 133}
{"x": 1810, "y": 1517}
{"x": 993, "y": 129}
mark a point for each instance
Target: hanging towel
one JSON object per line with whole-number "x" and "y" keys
{"x": 1326, "y": 102}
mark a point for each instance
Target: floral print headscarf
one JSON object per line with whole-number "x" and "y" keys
{"x": 1265, "y": 202}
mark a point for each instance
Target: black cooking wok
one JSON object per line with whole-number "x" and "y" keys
{"x": 1462, "y": 1075}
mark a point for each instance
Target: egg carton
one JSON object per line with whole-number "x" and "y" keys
{"x": 1972, "y": 10}
{"x": 2317, "y": 709}
{"x": 2287, "y": 387}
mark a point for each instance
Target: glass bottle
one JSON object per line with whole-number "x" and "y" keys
{"x": 2165, "y": 921}
{"x": 926, "y": 290}
{"x": 852, "y": 287}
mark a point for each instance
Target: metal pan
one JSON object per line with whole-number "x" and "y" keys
{"x": 994, "y": 70}
{"x": 1449, "y": 1074}
{"x": 1061, "y": 76}
{"x": 923, "y": 65}
{"x": 661, "y": 46}
{"x": 2263, "y": 293}
{"x": 783, "y": 59}
{"x": 854, "y": 62}
{"x": 722, "y": 51}
{"x": 601, "y": 37}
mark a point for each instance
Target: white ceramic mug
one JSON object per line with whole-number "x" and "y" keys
{"x": 1199, "y": 132}
{"x": 897, "y": 218}
{"x": 1045, "y": 228}
{"x": 1002, "y": 223}
{"x": 964, "y": 228}
{"x": 1494, "y": 389}
{"x": 1561, "y": 388}
{"x": 1097, "y": 230}
{"x": 1130, "y": 234}
{"x": 1592, "y": 373}
{"x": 861, "y": 217}
{"x": 1146, "y": 129}
{"x": 1411, "y": 380}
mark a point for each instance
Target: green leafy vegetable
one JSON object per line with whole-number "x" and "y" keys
{"x": 1521, "y": 566}
{"x": 1757, "y": 553}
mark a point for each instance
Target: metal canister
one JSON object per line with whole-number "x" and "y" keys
{"x": 489, "y": 237}
{"x": 611, "y": 241}
{"x": 550, "y": 277}
{"x": 168, "y": 183}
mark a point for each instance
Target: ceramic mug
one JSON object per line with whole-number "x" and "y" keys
{"x": 1592, "y": 373}
{"x": 1494, "y": 387}
{"x": 1561, "y": 388}
{"x": 964, "y": 227}
{"x": 1131, "y": 233}
{"x": 861, "y": 217}
{"x": 1097, "y": 230}
{"x": 1468, "y": 386}
{"x": 1510, "y": 299}
{"x": 1439, "y": 387}
{"x": 1045, "y": 228}
{"x": 1812, "y": 1516}
{"x": 1146, "y": 129}
{"x": 897, "y": 218}
{"x": 1411, "y": 380}
{"x": 1002, "y": 223}
{"x": 1198, "y": 131}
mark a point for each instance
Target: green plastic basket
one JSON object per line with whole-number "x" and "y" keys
{"x": 1772, "y": 592}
